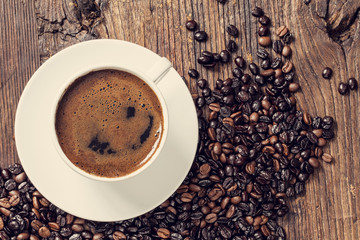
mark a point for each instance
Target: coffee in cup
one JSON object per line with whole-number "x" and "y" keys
{"x": 109, "y": 123}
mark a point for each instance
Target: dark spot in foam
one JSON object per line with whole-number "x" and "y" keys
{"x": 110, "y": 151}
{"x": 130, "y": 112}
{"x": 100, "y": 147}
{"x": 146, "y": 134}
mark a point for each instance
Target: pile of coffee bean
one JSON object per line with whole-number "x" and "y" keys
{"x": 256, "y": 150}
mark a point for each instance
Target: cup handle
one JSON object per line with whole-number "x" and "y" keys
{"x": 158, "y": 70}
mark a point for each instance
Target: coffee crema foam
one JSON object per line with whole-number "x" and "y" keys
{"x": 109, "y": 123}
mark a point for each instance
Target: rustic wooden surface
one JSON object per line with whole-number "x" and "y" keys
{"x": 327, "y": 33}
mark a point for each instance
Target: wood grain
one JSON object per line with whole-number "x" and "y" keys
{"x": 327, "y": 33}
{"x": 19, "y": 58}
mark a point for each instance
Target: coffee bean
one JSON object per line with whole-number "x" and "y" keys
{"x": 237, "y": 72}
{"x": 202, "y": 83}
{"x": 205, "y": 169}
{"x": 314, "y": 162}
{"x": 193, "y": 73}
{"x": 44, "y": 232}
{"x": 288, "y": 66}
{"x": 10, "y": 185}
{"x": 343, "y": 88}
{"x": 205, "y": 59}
{"x": 277, "y": 46}
{"x": 286, "y": 51}
{"x": 265, "y": 64}
{"x": 231, "y": 46}
{"x": 287, "y": 38}
{"x": 117, "y": 235}
{"x": 327, "y": 73}
{"x": 281, "y": 31}
{"x": 257, "y": 12}
{"x": 264, "y": 41}
{"x": 200, "y": 36}
{"x": 232, "y": 30}
{"x": 263, "y": 31}
{"x": 353, "y": 84}
{"x": 254, "y": 69}
{"x": 5, "y": 174}
{"x": 211, "y": 218}
{"x": 276, "y": 63}
{"x": 225, "y": 56}
{"x": 262, "y": 53}
{"x": 327, "y": 158}
{"x": 293, "y": 87}
{"x": 191, "y": 25}
{"x": 264, "y": 20}
{"x": 267, "y": 73}
{"x": 14, "y": 200}
{"x": 240, "y": 62}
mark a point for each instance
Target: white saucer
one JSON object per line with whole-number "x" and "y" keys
{"x": 81, "y": 196}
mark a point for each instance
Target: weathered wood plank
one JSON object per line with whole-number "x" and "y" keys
{"x": 326, "y": 34}
{"x": 19, "y": 59}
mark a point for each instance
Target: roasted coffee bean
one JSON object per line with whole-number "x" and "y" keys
{"x": 200, "y": 102}
{"x": 267, "y": 73}
{"x": 257, "y": 12}
{"x": 265, "y": 64}
{"x": 200, "y": 36}
{"x": 191, "y": 25}
{"x": 276, "y": 63}
{"x": 193, "y": 73}
{"x": 260, "y": 79}
{"x": 327, "y": 73}
{"x": 5, "y": 174}
{"x": 286, "y": 51}
{"x": 263, "y": 31}
{"x": 262, "y": 53}
{"x": 205, "y": 59}
{"x": 264, "y": 20}
{"x": 281, "y": 31}
{"x": 277, "y": 46}
{"x": 211, "y": 218}
{"x": 288, "y": 66}
{"x": 163, "y": 233}
{"x": 225, "y": 56}
{"x": 293, "y": 87}
{"x": 202, "y": 83}
{"x": 343, "y": 88}
{"x": 44, "y": 232}
{"x": 232, "y": 30}
{"x": 287, "y": 38}
{"x": 314, "y": 162}
{"x": 327, "y": 158}
{"x": 264, "y": 41}
{"x": 231, "y": 46}
{"x": 237, "y": 72}
{"x": 254, "y": 69}
{"x": 353, "y": 84}
{"x": 10, "y": 185}
{"x": 240, "y": 62}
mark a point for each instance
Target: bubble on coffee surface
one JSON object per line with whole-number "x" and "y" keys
{"x": 116, "y": 124}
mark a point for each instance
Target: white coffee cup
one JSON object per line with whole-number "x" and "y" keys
{"x": 152, "y": 77}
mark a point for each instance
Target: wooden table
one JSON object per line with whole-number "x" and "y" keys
{"x": 327, "y": 33}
